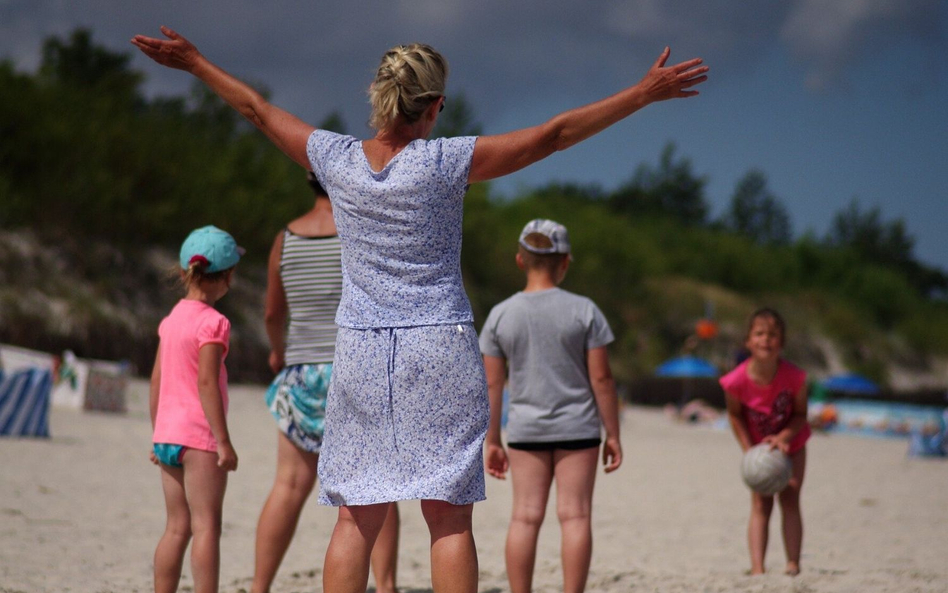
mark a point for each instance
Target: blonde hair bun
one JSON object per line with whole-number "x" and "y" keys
{"x": 408, "y": 79}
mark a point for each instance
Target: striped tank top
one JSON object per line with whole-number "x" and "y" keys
{"x": 311, "y": 271}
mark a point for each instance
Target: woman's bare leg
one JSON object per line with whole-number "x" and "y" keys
{"x": 531, "y": 473}
{"x": 453, "y": 555}
{"x": 791, "y": 515}
{"x": 385, "y": 552}
{"x": 205, "y": 484}
{"x": 295, "y": 477}
{"x": 346, "y": 569}
{"x": 575, "y": 473}
{"x": 757, "y": 530}
{"x": 169, "y": 554}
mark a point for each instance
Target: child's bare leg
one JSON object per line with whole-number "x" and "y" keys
{"x": 531, "y": 473}
{"x": 385, "y": 552}
{"x": 453, "y": 555}
{"x": 204, "y": 484}
{"x": 346, "y": 569}
{"x": 295, "y": 477}
{"x": 169, "y": 554}
{"x": 791, "y": 515}
{"x": 757, "y": 530}
{"x": 575, "y": 473}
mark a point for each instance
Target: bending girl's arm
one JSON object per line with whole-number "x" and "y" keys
{"x": 274, "y": 316}
{"x": 607, "y": 400}
{"x": 495, "y": 458}
{"x": 285, "y": 130}
{"x": 737, "y": 421}
{"x": 797, "y": 421}
{"x": 209, "y": 367}
{"x": 495, "y": 156}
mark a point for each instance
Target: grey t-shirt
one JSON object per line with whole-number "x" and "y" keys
{"x": 545, "y": 336}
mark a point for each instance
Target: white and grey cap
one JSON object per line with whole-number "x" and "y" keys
{"x": 550, "y": 229}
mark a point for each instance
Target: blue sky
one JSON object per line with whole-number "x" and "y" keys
{"x": 831, "y": 99}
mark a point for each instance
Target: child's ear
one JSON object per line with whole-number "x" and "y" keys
{"x": 519, "y": 259}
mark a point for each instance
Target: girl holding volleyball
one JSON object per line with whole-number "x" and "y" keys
{"x": 766, "y": 403}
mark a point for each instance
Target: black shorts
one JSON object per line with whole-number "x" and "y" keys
{"x": 552, "y": 445}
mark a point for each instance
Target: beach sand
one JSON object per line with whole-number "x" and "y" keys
{"x": 82, "y": 512}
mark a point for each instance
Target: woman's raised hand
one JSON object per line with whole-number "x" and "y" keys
{"x": 671, "y": 82}
{"x": 174, "y": 52}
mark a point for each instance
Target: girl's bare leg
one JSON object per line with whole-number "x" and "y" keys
{"x": 757, "y": 530}
{"x": 169, "y": 554}
{"x": 531, "y": 473}
{"x": 575, "y": 473}
{"x": 295, "y": 477}
{"x": 205, "y": 484}
{"x": 385, "y": 552}
{"x": 346, "y": 569}
{"x": 453, "y": 555}
{"x": 791, "y": 515}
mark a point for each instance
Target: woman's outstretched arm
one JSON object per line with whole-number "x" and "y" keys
{"x": 496, "y": 156}
{"x": 285, "y": 130}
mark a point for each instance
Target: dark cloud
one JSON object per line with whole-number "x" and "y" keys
{"x": 320, "y": 56}
{"x": 830, "y": 37}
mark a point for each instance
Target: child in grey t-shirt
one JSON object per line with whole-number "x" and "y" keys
{"x": 561, "y": 393}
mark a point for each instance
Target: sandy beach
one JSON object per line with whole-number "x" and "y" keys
{"x": 82, "y": 512}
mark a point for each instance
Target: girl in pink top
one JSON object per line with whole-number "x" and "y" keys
{"x": 188, "y": 402}
{"x": 766, "y": 403}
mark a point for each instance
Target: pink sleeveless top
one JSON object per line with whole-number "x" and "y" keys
{"x": 767, "y": 409}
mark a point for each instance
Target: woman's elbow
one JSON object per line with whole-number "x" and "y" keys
{"x": 274, "y": 316}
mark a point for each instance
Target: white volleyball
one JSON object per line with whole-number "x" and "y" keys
{"x": 765, "y": 471}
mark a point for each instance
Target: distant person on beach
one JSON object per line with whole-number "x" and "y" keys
{"x": 188, "y": 403}
{"x": 561, "y": 394}
{"x": 696, "y": 411}
{"x": 304, "y": 286}
{"x": 767, "y": 403}
{"x": 407, "y": 410}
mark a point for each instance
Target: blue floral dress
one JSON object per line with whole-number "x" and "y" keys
{"x": 407, "y": 409}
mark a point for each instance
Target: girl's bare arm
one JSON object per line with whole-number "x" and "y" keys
{"x": 607, "y": 401}
{"x": 496, "y": 457}
{"x": 212, "y": 402}
{"x": 736, "y": 419}
{"x": 154, "y": 387}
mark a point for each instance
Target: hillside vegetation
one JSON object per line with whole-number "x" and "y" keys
{"x": 99, "y": 185}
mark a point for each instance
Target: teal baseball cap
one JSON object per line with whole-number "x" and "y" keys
{"x": 212, "y": 245}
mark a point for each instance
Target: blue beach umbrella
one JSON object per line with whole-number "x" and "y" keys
{"x": 851, "y": 383}
{"x": 686, "y": 366}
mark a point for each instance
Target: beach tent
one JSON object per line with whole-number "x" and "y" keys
{"x": 686, "y": 366}
{"x": 81, "y": 383}
{"x": 686, "y": 378}
{"x": 851, "y": 383}
{"x": 24, "y": 402}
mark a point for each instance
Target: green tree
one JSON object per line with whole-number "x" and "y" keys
{"x": 671, "y": 188}
{"x": 333, "y": 123}
{"x": 457, "y": 119}
{"x": 757, "y": 213}
{"x": 868, "y": 235}
{"x": 80, "y": 63}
